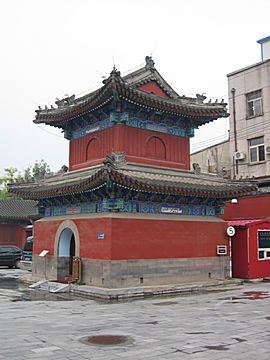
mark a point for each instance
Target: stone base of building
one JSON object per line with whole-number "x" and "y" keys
{"x": 132, "y": 273}
{"x": 126, "y": 250}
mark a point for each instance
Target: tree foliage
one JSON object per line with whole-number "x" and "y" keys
{"x": 11, "y": 175}
{"x": 8, "y": 178}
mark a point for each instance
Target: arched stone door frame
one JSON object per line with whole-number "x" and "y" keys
{"x": 66, "y": 231}
{"x": 67, "y": 224}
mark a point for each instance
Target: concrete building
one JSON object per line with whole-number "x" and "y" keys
{"x": 214, "y": 159}
{"x": 247, "y": 152}
{"x": 249, "y": 104}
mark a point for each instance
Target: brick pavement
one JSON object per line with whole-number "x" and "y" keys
{"x": 216, "y": 326}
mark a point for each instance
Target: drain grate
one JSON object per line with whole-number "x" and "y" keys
{"x": 108, "y": 340}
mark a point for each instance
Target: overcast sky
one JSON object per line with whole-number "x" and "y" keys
{"x": 50, "y": 48}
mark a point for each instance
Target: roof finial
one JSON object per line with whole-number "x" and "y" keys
{"x": 115, "y": 72}
{"x": 150, "y": 64}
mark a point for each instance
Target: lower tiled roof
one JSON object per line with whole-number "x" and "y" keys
{"x": 18, "y": 209}
{"x": 135, "y": 177}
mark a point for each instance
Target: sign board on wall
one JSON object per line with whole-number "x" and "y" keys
{"x": 222, "y": 250}
{"x": 230, "y": 230}
{"x": 171, "y": 210}
{"x": 43, "y": 253}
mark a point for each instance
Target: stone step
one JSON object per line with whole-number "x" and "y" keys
{"x": 52, "y": 287}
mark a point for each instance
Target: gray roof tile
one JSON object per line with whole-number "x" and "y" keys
{"x": 17, "y": 209}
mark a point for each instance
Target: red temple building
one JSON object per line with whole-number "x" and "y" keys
{"x": 129, "y": 206}
{"x": 16, "y": 219}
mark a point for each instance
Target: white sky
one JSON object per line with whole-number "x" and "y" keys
{"x": 50, "y": 48}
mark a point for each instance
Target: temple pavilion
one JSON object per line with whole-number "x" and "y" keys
{"x": 129, "y": 207}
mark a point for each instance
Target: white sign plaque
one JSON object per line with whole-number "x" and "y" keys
{"x": 221, "y": 250}
{"x": 43, "y": 253}
{"x": 230, "y": 230}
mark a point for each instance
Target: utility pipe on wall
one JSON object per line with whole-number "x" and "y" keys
{"x": 235, "y": 162}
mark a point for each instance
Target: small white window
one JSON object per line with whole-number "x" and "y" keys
{"x": 256, "y": 149}
{"x": 254, "y": 104}
{"x": 264, "y": 244}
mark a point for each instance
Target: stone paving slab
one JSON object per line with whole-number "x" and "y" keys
{"x": 231, "y": 325}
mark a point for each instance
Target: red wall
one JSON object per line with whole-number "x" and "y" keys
{"x": 245, "y": 262}
{"x": 137, "y": 238}
{"x": 152, "y": 88}
{"x": 12, "y": 234}
{"x": 253, "y": 207}
{"x": 258, "y": 268}
{"x": 239, "y": 248}
{"x": 137, "y": 145}
{"x": 90, "y": 246}
{"x": 150, "y": 239}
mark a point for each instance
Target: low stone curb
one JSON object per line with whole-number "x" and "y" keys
{"x": 147, "y": 291}
{"x": 152, "y": 291}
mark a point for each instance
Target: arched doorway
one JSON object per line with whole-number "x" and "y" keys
{"x": 66, "y": 251}
{"x": 66, "y": 247}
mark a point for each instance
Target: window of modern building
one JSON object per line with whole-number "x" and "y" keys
{"x": 256, "y": 149}
{"x": 254, "y": 104}
{"x": 263, "y": 244}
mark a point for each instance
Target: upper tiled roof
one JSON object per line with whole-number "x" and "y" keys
{"x": 135, "y": 177}
{"x": 147, "y": 74}
{"x": 18, "y": 209}
{"x": 117, "y": 88}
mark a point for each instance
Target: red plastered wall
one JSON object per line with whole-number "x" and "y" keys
{"x": 44, "y": 235}
{"x": 252, "y": 207}
{"x": 133, "y": 142}
{"x": 137, "y": 238}
{"x": 152, "y": 88}
{"x": 12, "y": 234}
{"x": 258, "y": 268}
{"x": 150, "y": 239}
{"x": 90, "y": 246}
{"x": 240, "y": 263}
{"x": 245, "y": 262}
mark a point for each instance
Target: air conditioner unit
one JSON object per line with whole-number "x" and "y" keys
{"x": 238, "y": 155}
{"x": 267, "y": 150}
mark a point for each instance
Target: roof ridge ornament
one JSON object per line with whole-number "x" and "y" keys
{"x": 115, "y": 160}
{"x": 196, "y": 168}
{"x": 113, "y": 74}
{"x": 200, "y": 98}
{"x": 149, "y": 62}
{"x": 68, "y": 100}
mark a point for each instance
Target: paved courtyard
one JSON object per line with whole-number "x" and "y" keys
{"x": 218, "y": 325}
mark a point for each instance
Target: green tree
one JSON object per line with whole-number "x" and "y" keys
{"x": 8, "y": 178}
{"x": 11, "y": 175}
{"x": 40, "y": 170}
